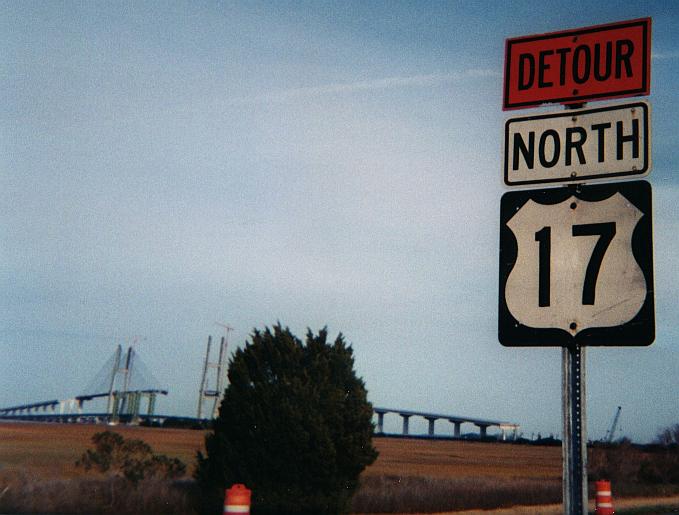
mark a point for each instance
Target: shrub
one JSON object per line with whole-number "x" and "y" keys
{"x": 132, "y": 459}
{"x": 25, "y": 491}
{"x": 662, "y": 464}
{"x": 639, "y": 469}
{"x": 413, "y": 494}
{"x": 294, "y": 426}
{"x": 668, "y": 437}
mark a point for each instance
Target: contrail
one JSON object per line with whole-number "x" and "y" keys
{"x": 662, "y": 56}
{"x": 367, "y": 85}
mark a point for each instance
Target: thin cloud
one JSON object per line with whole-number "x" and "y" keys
{"x": 359, "y": 86}
{"x": 662, "y": 56}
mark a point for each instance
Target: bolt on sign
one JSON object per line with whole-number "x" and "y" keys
{"x": 574, "y": 66}
{"x": 576, "y": 266}
{"x": 578, "y": 145}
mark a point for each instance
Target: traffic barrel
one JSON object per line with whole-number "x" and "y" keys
{"x": 604, "y": 499}
{"x": 237, "y": 500}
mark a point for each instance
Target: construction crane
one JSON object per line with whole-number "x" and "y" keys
{"x": 611, "y": 432}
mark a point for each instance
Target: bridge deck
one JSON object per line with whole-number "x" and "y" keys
{"x": 452, "y": 418}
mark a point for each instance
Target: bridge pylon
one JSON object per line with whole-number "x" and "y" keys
{"x": 114, "y": 372}
{"x": 124, "y": 400}
{"x": 213, "y": 374}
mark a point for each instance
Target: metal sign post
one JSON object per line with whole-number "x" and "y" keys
{"x": 576, "y": 265}
{"x": 574, "y": 441}
{"x": 574, "y": 417}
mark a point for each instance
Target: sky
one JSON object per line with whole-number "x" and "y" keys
{"x": 168, "y": 166}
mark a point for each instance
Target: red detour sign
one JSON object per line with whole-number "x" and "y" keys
{"x": 573, "y": 66}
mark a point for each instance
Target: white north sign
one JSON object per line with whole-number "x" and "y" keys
{"x": 578, "y": 145}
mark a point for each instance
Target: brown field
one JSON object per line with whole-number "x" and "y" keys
{"x": 449, "y": 458}
{"x": 410, "y": 475}
{"x": 50, "y": 451}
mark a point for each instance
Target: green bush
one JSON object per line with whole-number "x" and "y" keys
{"x": 132, "y": 459}
{"x": 294, "y": 426}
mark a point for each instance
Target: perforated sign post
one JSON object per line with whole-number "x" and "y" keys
{"x": 576, "y": 261}
{"x": 576, "y": 269}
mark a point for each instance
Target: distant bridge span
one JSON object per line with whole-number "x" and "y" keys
{"x": 123, "y": 406}
{"x": 102, "y": 418}
{"x": 457, "y": 421}
{"x": 126, "y": 409}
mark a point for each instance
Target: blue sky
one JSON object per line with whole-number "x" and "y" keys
{"x": 164, "y": 167}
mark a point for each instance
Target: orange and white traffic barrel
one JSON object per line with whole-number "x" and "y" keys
{"x": 237, "y": 500}
{"x": 604, "y": 498}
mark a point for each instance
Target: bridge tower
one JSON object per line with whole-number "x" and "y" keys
{"x": 213, "y": 374}
{"x": 114, "y": 372}
{"x": 120, "y": 400}
{"x": 127, "y": 374}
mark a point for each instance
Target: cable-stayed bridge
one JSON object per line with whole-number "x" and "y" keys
{"x": 125, "y": 391}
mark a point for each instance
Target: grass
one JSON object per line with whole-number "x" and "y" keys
{"x": 388, "y": 494}
{"x": 456, "y": 458}
{"x": 650, "y": 510}
{"x": 23, "y": 493}
{"x": 38, "y": 474}
{"x": 49, "y": 451}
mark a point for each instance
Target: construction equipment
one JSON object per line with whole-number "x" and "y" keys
{"x": 611, "y": 432}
